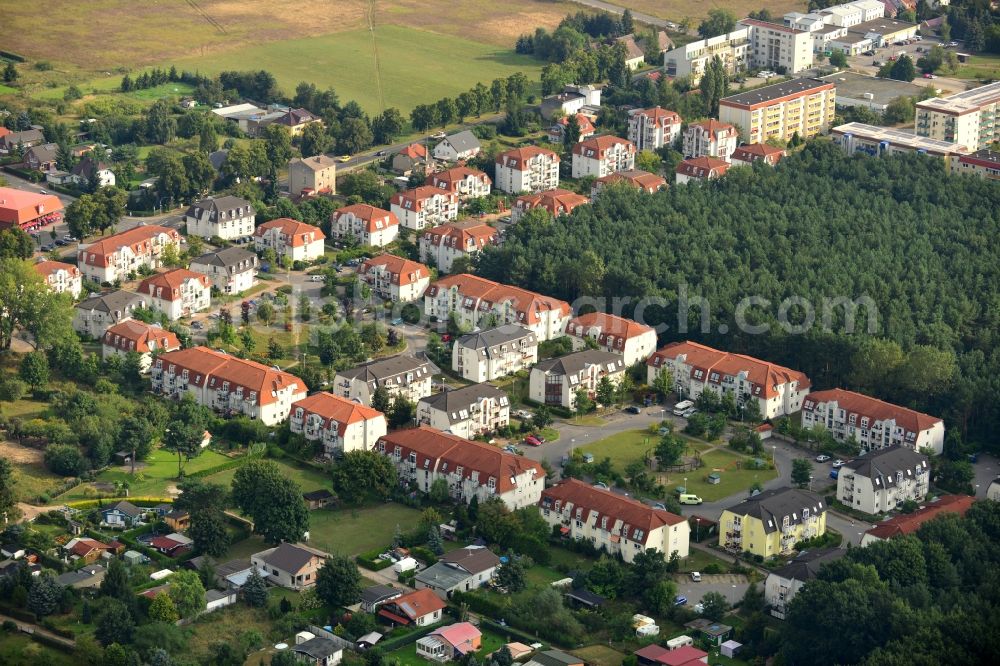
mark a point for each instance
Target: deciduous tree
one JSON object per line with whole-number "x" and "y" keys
{"x": 338, "y": 582}
{"x": 273, "y": 501}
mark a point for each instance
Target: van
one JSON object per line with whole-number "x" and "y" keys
{"x": 682, "y": 407}
{"x": 689, "y": 499}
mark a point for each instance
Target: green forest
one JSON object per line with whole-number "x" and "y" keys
{"x": 918, "y": 242}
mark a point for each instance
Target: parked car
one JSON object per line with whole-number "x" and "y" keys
{"x": 689, "y": 413}
{"x": 381, "y": 153}
{"x": 632, "y": 409}
{"x": 522, "y": 413}
{"x": 60, "y": 242}
{"x": 438, "y": 135}
{"x": 695, "y": 576}
{"x": 822, "y": 457}
{"x": 680, "y": 600}
{"x": 69, "y": 239}
{"x": 838, "y": 463}
{"x": 397, "y": 321}
{"x": 687, "y": 498}
{"x": 316, "y": 278}
{"x": 344, "y": 158}
{"x": 928, "y": 75}
{"x": 601, "y": 485}
{"x": 531, "y": 440}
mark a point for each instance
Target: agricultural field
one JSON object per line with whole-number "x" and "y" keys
{"x": 676, "y": 10}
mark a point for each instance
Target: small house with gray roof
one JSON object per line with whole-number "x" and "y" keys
{"x": 782, "y": 584}
{"x": 122, "y": 514}
{"x": 463, "y": 570}
{"x": 494, "y": 352}
{"x": 461, "y": 146}
{"x": 557, "y": 381}
{"x": 232, "y": 270}
{"x": 95, "y": 315}
{"x": 293, "y": 566}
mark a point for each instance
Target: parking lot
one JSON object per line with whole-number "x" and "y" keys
{"x": 731, "y": 586}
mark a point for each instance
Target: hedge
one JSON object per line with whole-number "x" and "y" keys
{"x": 478, "y": 603}
{"x": 10, "y": 55}
{"x": 18, "y": 613}
{"x": 51, "y": 626}
{"x": 209, "y": 471}
{"x": 395, "y": 643}
{"x": 52, "y": 642}
{"x": 372, "y": 562}
{"x": 557, "y": 410}
{"x": 509, "y": 631}
{"x": 68, "y": 191}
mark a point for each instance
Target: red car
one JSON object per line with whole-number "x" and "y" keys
{"x": 531, "y": 440}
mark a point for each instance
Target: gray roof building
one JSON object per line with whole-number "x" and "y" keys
{"x": 42, "y": 153}
{"x": 393, "y": 368}
{"x": 317, "y": 648}
{"x": 126, "y": 507}
{"x": 28, "y": 137}
{"x": 463, "y": 141}
{"x": 572, "y": 364}
{"x": 291, "y": 557}
{"x": 114, "y": 303}
{"x": 230, "y": 259}
{"x": 89, "y": 576}
{"x": 473, "y": 560}
{"x": 490, "y": 339}
{"x": 555, "y": 658}
{"x": 371, "y": 597}
{"x": 458, "y": 567}
{"x": 807, "y": 564}
{"x": 456, "y": 403}
{"x": 883, "y": 464}
{"x": 776, "y": 91}
{"x": 771, "y": 507}
{"x": 212, "y": 209}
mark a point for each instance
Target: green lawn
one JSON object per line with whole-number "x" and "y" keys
{"x": 733, "y": 480}
{"x": 353, "y": 531}
{"x": 697, "y": 560}
{"x": 600, "y": 655}
{"x": 7, "y": 90}
{"x": 980, "y": 66}
{"x": 622, "y": 448}
{"x": 19, "y": 649}
{"x": 24, "y": 408}
{"x": 307, "y": 477}
{"x": 32, "y": 479}
{"x": 407, "y": 655}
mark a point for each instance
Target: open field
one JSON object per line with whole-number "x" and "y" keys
{"x": 352, "y": 531}
{"x": 20, "y": 649}
{"x": 622, "y": 448}
{"x": 600, "y": 655}
{"x": 307, "y": 478}
{"x": 676, "y": 10}
{"x": 981, "y": 66}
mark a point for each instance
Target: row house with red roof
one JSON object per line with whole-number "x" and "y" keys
{"x": 136, "y": 336}
{"x": 448, "y": 242}
{"x": 227, "y": 384}
{"x": 294, "y": 240}
{"x": 463, "y": 181}
{"x": 557, "y": 132}
{"x": 178, "y": 292}
{"x": 602, "y": 155}
{"x": 556, "y": 381}
{"x": 482, "y": 303}
{"x": 424, "y": 207}
{"x": 873, "y": 423}
{"x": 909, "y": 523}
{"x": 117, "y": 256}
{"x": 527, "y": 169}
{"x": 341, "y": 425}
{"x": 61, "y": 278}
{"x": 651, "y": 129}
{"x": 616, "y": 524}
{"x": 394, "y": 278}
{"x": 634, "y": 178}
{"x": 371, "y": 226}
{"x": 697, "y": 169}
{"x": 471, "y": 469}
{"x": 748, "y": 154}
{"x": 777, "y": 390}
{"x": 558, "y": 202}
{"x": 633, "y": 341}
{"x": 711, "y": 138}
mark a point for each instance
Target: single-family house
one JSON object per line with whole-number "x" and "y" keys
{"x": 366, "y": 224}
{"x": 555, "y": 658}
{"x": 409, "y": 158}
{"x": 339, "y": 424}
{"x": 42, "y": 157}
{"x": 572, "y": 99}
{"x": 25, "y": 139}
{"x": 120, "y": 255}
{"x": 90, "y": 171}
{"x": 527, "y": 169}
{"x": 557, "y": 381}
{"x": 461, "y": 146}
{"x": 86, "y": 549}
{"x": 296, "y": 120}
{"x": 89, "y": 577}
{"x": 467, "y": 412}
{"x": 121, "y": 514}
{"x": 633, "y": 341}
{"x": 177, "y": 293}
{"x": 700, "y": 168}
{"x": 557, "y": 202}
{"x": 137, "y": 336}
{"x": 62, "y": 278}
{"x": 584, "y": 123}
{"x": 309, "y": 176}
{"x": 423, "y": 207}
{"x": 635, "y": 57}
{"x": 463, "y": 570}
{"x": 420, "y": 608}
{"x": 463, "y": 181}
{"x": 784, "y": 583}
{"x": 448, "y": 242}
{"x": 601, "y": 155}
{"x": 395, "y": 278}
{"x": 231, "y": 270}
{"x": 317, "y": 650}
{"x": 402, "y": 375}
{"x": 772, "y": 522}
{"x": 225, "y": 217}
{"x": 294, "y": 240}
{"x": 290, "y": 565}
{"x": 494, "y": 352}
{"x": 451, "y": 642}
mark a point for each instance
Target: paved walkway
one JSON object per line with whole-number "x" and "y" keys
{"x": 31, "y": 628}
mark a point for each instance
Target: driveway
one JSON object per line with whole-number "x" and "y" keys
{"x": 572, "y": 435}
{"x": 731, "y": 586}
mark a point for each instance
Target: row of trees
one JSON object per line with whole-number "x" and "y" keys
{"x": 480, "y": 99}
{"x": 574, "y": 34}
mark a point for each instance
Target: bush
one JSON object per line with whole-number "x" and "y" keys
{"x": 713, "y": 568}
{"x": 9, "y": 626}
{"x": 424, "y": 555}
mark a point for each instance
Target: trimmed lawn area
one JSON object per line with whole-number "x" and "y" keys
{"x": 407, "y": 655}
{"x": 25, "y": 408}
{"x": 980, "y": 66}
{"x": 352, "y": 531}
{"x": 307, "y": 477}
{"x": 242, "y": 550}
{"x": 622, "y": 448}
{"x": 600, "y": 655}
{"x": 697, "y": 560}
{"x": 7, "y": 90}
{"x": 732, "y": 481}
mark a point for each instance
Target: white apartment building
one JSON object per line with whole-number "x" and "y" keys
{"x": 466, "y": 412}
{"x": 611, "y": 522}
{"x": 556, "y": 381}
{"x": 494, "y": 353}
{"x": 294, "y": 240}
{"x": 93, "y": 316}
{"x": 778, "y": 391}
{"x": 370, "y": 226}
{"x": 177, "y": 293}
{"x": 462, "y": 181}
{"x": 558, "y": 202}
{"x": 602, "y": 155}
{"x": 691, "y": 60}
{"x": 446, "y": 243}
{"x": 223, "y": 217}
{"x": 227, "y": 384}
{"x": 478, "y": 302}
{"x": 424, "y": 207}
{"x": 404, "y": 376}
{"x": 784, "y": 583}
{"x": 232, "y": 270}
{"x": 144, "y": 339}
{"x": 805, "y": 107}
{"x": 341, "y": 425}
{"x": 711, "y": 138}
{"x": 777, "y": 47}
{"x": 572, "y": 99}
{"x": 881, "y": 480}
{"x": 423, "y": 455}
{"x": 633, "y": 341}
{"x": 61, "y": 278}
{"x": 394, "y": 278}
{"x": 650, "y": 129}
{"x": 117, "y": 256}
{"x": 527, "y": 169}
{"x": 874, "y": 424}
{"x": 967, "y": 118}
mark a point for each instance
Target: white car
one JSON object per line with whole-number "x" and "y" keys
{"x": 696, "y": 576}
{"x": 838, "y": 463}
{"x": 822, "y": 457}
{"x": 699, "y": 608}
{"x": 316, "y": 278}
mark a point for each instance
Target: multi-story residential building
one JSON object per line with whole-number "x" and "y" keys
{"x": 339, "y": 424}
{"x": 309, "y": 176}
{"x": 463, "y": 145}
{"x": 232, "y": 270}
{"x": 601, "y": 155}
{"x": 983, "y": 163}
{"x": 471, "y": 469}
{"x": 371, "y": 226}
{"x": 404, "y": 376}
{"x": 558, "y": 202}
{"x": 801, "y": 106}
{"x": 585, "y": 123}
{"x": 778, "y": 391}
{"x": 448, "y": 242}
{"x": 476, "y": 301}
{"x": 294, "y": 240}
{"x": 227, "y": 384}
{"x": 611, "y": 522}
{"x": 845, "y": 15}
{"x": 62, "y": 278}
{"x": 494, "y": 352}
{"x": 691, "y": 60}
{"x": 556, "y": 381}
{"x": 144, "y": 339}
{"x": 640, "y": 180}
{"x": 467, "y": 412}
{"x": 223, "y": 217}
{"x": 117, "y": 256}
{"x": 424, "y": 207}
{"x": 879, "y": 141}
{"x": 461, "y": 180}
{"x": 757, "y": 152}
{"x": 177, "y": 293}
{"x": 778, "y": 47}
{"x": 881, "y": 480}
{"x": 700, "y": 168}
{"x": 572, "y": 99}
{"x": 772, "y": 522}
{"x": 527, "y": 169}
{"x": 394, "y": 278}
{"x": 784, "y": 583}
{"x": 908, "y": 523}
{"x": 94, "y": 315}
{"x": 634, "y": 341}
{"x": 968, "y": 118}
{"x": 296, "y": 120}
{"x": 874, "y": 424}
{"x": 650, "y": 129}
{"x": 711, "y": 138}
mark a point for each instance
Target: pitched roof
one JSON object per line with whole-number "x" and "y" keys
{"x": 472, "y": 559}
{"x": 171, "y": 282}
{"x": 458, "y": 635}
{"x": 555, "y": 658}
{"x": 138, "y": 336}
{"x": 771, "y": 507}
{"x": 138, "y": 238}
{"x": 291, "y": 557}
{"x": 371, "y": 215}
{"x": 601, "y": 144}
{"x": 714, "y": 127}
{"x": 379, "y": 371}
{"x": 295, "y": 117}
{"x": 211, "y": 207}
{"x": 606, "y": 325}
{"x": 315, "y": 163}
{"x": 641, "y": 180}
{"x": 456, "y": 403}
{"x": 297, "y": 232}
{"x": 462, "y": 141}
{"x": 112, "y": 302}
{"x": 87, "y": 167}
{"x": 403, "y": 271}
{"x": 126, "y": 507}
{"x": 758, "y": 151}
{"x": 807, "y": 564}
{"x": 557, "y": 201}
{"x": 419, "y": 603}
{"x": 882, "y": 465}
{"x": 904, "y": 524}
{"x": 48, "y": 267}
{"x": 43, "y": 152}
{"x": 601, "y": 503}
{"x": 572, "y": 364}
{"x": 632, "y": 50}
{"x": 377, "y": 593}
{"x": 419, "y": 195}
{"x": 467, "y": 236}
{"x": 229, "y": 257}
{"x": 686, "y": 655}
{"x": 210, "y": 368}
{"x": 659, "y": 116}
{"x": 12, "y": 139}
{"x": 415, "y": 151}
{"x": 515, "y": 158}
{"x": 317, "y": 647}
{"x": 491, "y": 338}
{"x": 333, "y": 408}
{"x": 873, "y": 408}
{"x": 526, "y": 304}
{"x": 83, "y": 547}
{"x": 449, "y": 179}
{"x": 584, "y": 122}
{"x": 20, "y": 206}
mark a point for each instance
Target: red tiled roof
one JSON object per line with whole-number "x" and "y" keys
{"x": 436, "y": 447}
{"x": 459, "y": 234}
{"x": 208, "y": 367}
{"x": 458, "y": 634}
{"x": 558, "y": 201}
{"x": 170, "y": 282}
{"x": 415, "y": 151}
{"x": 703, "y": 167}
{"x": 758, "y": 151}
{"x": 84, "y": 547}
{"x": 583, "y": 122}
{"x": 331, "y": 407}
{"x": 604, "y": 503}
{"x": 137, "y": 336}
{"x": 370, "y": 214}
{"x": 449, "y": 179}
{"x": 418, "y": 603}
{"x": 641, "y": 180}
{"x": 660, "y": 116}
{"x": 714, "y": 127}
{"x": 873, "y": 408}
{"x": 47, "y": 268}
{"x": 516, "y": 158}
{"x": 601, "y": 144}
{"x": 526, "y": 303}
{"x": 403, "y": 271}
{"x": 137, "y": 238}
{"x": 905, "y": 524}
{"x": 296, "y": 231}
{"x": 607, "y": 324}
{"x": 419, "y": 195}
{"x": 164, "y": 543}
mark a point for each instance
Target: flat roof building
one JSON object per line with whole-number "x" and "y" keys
{"x": 879, "y": 141}
{"x": 871, "y": 92}
{"x": 966, "y": 118}
{"x": 801, "y": 106}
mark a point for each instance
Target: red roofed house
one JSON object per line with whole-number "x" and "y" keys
{"x": 634, "y": 341}
{"x": 650, "y": 129}
{"x": 405, "y": 160}
{"x": 695, "y": 368}
{"x": 657, "y": 655}
{"x": 289, "y": 238}
{"x": 166, "y": 545}
{"x": 178, "y": 292}
{"x": 601, "y": 155}
{"x": 145, "y": 339}
{"x": 710, "y": 138}
{"x": 873, "y": 423}
{"x": 27, "y": 209}
{"x": 451, "y": 642}
{"x": 117, "y": 256}
{"x": 395, "y": 278}
{"x": 557, "y": 202}
{"x": 461, "y": 180}
{"x": 904, "y": 524}
{"x": 342, "y": 425}
{"x": 448, "y": 242}
{"x": 613, "y": 522}
{"x": 420, "y": 607}
{"x": 558, "y": 131}
{"x": 61, "y": 277}
{"x": 757, "y": 152}
{"x": 984, "y": 163}
{"x": 527, "y": 169}
{"x": 472, "y": 469}
{"x": 640, "y": 180}
{"x": 228, "y": 384}
{"x": 424, "y": 206}
{"x": 369, "y": 225}
{"x": 86, "y": 549}
{"x": 701, "y": 168}
{"x": 473, "y": 299}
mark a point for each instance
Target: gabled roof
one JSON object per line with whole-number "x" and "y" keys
{"x": 418, "y": 196}
{"x": 229, "y": 257}
{"x": 371, "y": 215}
{"x": 314, "y": 163}
{"x": 632, "y": 50}
{"x": 317, "y": 647}
{"x": 515, "y": 158}
{"x": 115, "y": 301}
{"x": 334, "y": 409}
{"x": 758, "y": 151}
{"x": 459, "y": 635}
{"x": 703, "y": 167}
{"x": 138, "y": 336}
{"x": 12, "y": 139}
{"x": 473, "y": 559}
{"x": 375, "y": 373}
{"x": 463, "y": 141}
{"x": 171, "y": 282}
{"x": 490, "y": 339}
{"x": 882, "y": 465}
{"x": 557, "y": 201}
{"x": 43, "y": 152}
{"x": 126, "y": 507}
{"x": 211, "y": 207}
{"x": 584, "y": 122}
{"x": 290, "y": 557}
{"x": 714, "y": 127}
{"x": 659, "y": 116}
{"x": 572, "y": 364}
{"x": 685, "y": 655}
{"x": 556, "y": 658}
{"x": 48, "y": 267}
{"x": 904, "y": 524}
{"x": 137, "y": 238}
{"x": 377, "y": 593}
{"x": 526, "y": 304}
{"x": 771, "y": 507}
{"x": 297, "y": 232}
{"x": 807, "y": 564}
{"x": 296, "y": 117}
{"x": 873, "y": 408}
{"x": 641, "y": 180}
{"x": 418, "y": 603}
{"x": 449, "y": 179}
{"x": 606, "y": 324}
{"x": 213, "y": 369}
{"x": 88, "y": 167}
{"x": 601, "y": 144}
{"x": 455, "y": 403}
{"x": 467, "y": 236}
{"x": 20, "y": 206}
{"x": 415, "y": 151}
{"x": 403, "y": 271}
{"x": 601, "y": 503}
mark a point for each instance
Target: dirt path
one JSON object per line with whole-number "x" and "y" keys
{"x": 29, "y": 628}
{"x": 20, "y": 454}
{"x": 30, "y": 511}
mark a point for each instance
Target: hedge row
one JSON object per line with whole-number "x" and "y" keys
{"x": 58, "y": 631}
{"x": 10, "y": 55}
{"x": 68, "y": 191}
{"x": 102, "y": 501}
{"x": 18, "y": 613}
{"x": 395, "y": 643}
{"x": 52, "y": 642}
{"x": 374, "y": 564}
{"x": 209, "y": 471}
{"x": 508, "y": 631}
{"x": 478, "y": 603}
{"x": 557, "y": 410}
